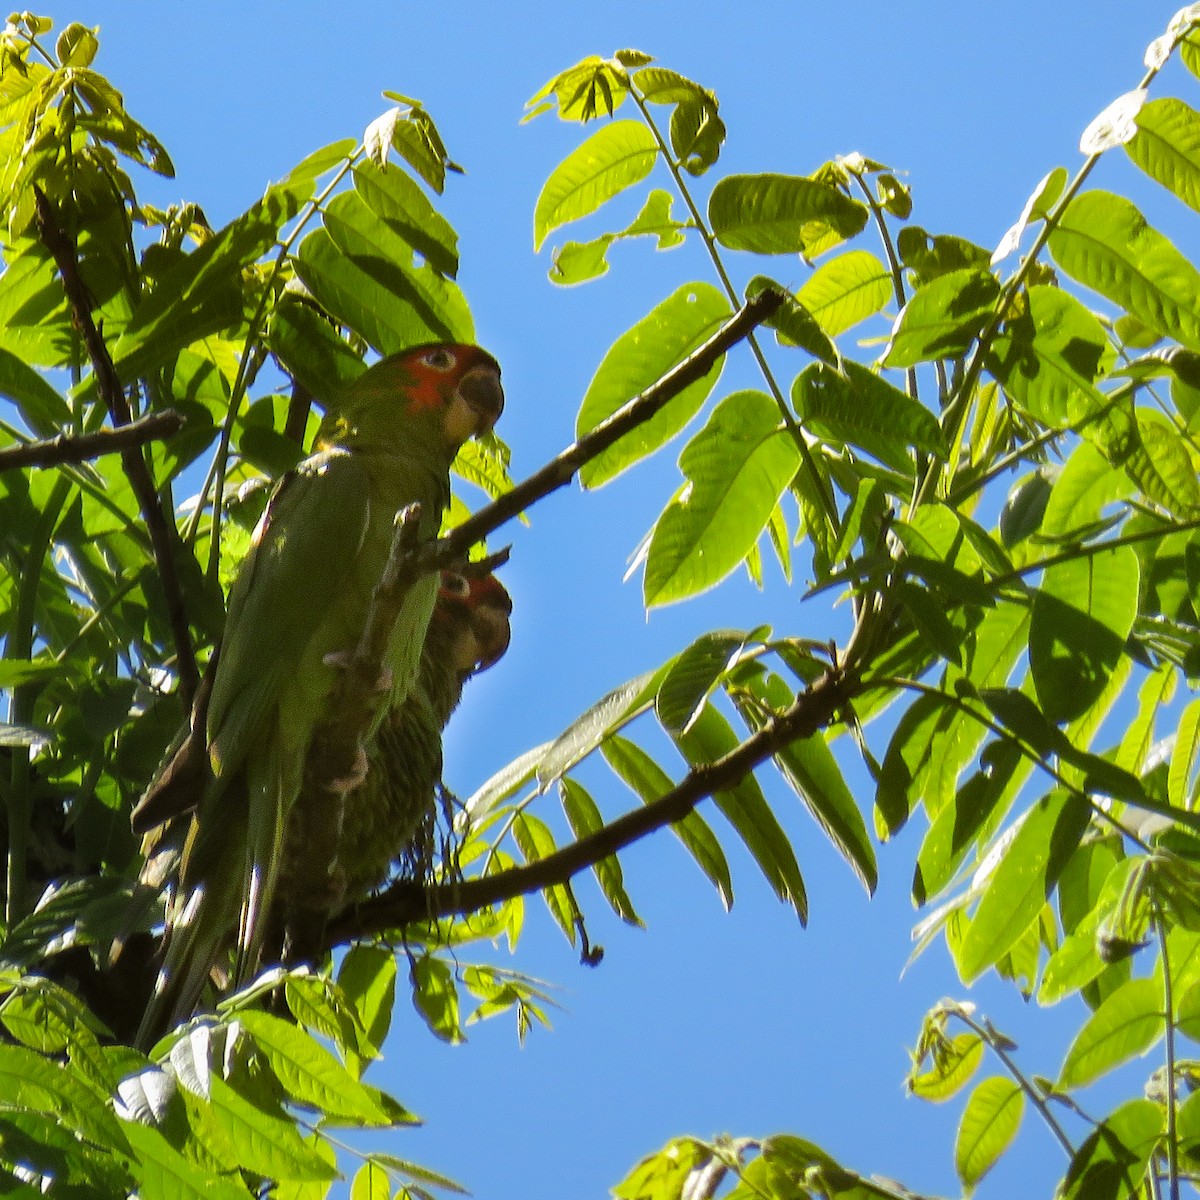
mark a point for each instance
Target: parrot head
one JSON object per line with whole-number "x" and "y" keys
{"x": 478, "y": 608}
{"x": 455, "y": 387}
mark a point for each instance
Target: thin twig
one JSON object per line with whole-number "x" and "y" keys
{"x": 108, "y": 385}
{"x": 407, "y": 901}
{"x": 154, "y": 427}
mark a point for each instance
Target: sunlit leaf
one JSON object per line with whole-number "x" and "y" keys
{"x": 639, "y": 358}
{"x": 1128, "y": 1023}
{"x": 737, "y": 467}
{"x": 989, "y": 1123}
{"x": 781, "y": 214}
{"x": 1105, "y": 243}
{"x": 614, "y": 158}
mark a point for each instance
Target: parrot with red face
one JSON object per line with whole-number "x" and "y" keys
{"x": 389, "y": 817}
{"x": 297, "y": 608}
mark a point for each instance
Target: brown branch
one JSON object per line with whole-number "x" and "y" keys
{"x": 406, "y": 902}
{"x": 558, "y": 472}
{"x": 65, "y": 449}
{"x": 108, "y": 384}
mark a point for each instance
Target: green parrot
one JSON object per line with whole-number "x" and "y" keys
{"x": 389, "y": 817}
{"x": 297, "y": 609}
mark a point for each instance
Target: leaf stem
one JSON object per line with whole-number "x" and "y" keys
{"x": 808, "y": 464}
{"x": 988, "y": 1034}
{"x": 1169, "y": 1051}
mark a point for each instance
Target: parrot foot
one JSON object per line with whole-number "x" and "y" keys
{"x": 355, "y": 776}
{"x": 342, "y": 660}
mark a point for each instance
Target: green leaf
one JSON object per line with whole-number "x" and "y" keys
{"x": 989, "y": 1123}
{"x": 649, "y": 782}
{"x": 1105, "y": 243}
{"x": 1049, "y": 357}
{"x": 694, "y": 673}
{"x": 266, "y": 1143}
{"x": 164, "y": 1174}
{"x": 931, "y": 256}
{"x": 1128, "y": 1023}
{"x": 943, "y": 318}
{"x": 319, "y": 161}
{"x": 793, "y": 324}
{"x": 1111, "y": 1164}
{"x": 1031, "y": 856}
{"x": 860, "y": 408}
{"x": 367, "y": 976}
{"x": 846, "y": 290}
{"x": 1081, "y": 616}
{"x": 614, "y": 158}
{"x": 371, "y": 1182}
{"x": 309, "y": 1073}
{"x": 399, "y": 202}
{"x": 353, "y": 297}
{"x": 382, "y": 250}
{"x": 576, "y": 262}
{"x": 640, "y": 357}
{"x": 436, "y": 997}
{"x": 585, "y": 819}
{"x": 953, "y": 1064}
{"x": 710, "y": 737}
{"x": 1181, "y": 774}
{"x": 782, "y": 214}
{"x": 1167, "y": 147}
{"x": 41, "y": 405}
{"x": 201, "y": 293}
{"x": 810, "y": 768}
{"x": 737, "y": 467}
{"x": 535, "y": 841}
{"x": 590, "y": 730}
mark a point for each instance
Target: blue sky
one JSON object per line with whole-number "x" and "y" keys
{"x": 705, "y": 1022}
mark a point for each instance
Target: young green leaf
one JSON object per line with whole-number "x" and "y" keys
{"x": 989, "y": 1123}
{"x": 846, "y": 290}
{"x": 614, "y": 158}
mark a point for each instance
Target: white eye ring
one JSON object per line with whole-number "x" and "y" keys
{"x": 439, "y": 360}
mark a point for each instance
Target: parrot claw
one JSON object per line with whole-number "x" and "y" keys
{"x": 342, "y": 660}
{"x": 357, "y": 773}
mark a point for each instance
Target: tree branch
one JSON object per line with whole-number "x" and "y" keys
{"x": 108, "y": 384}
{"x": 65, "y": 449}
{"x": 559, "y": 471}
{"x": 408, "y": 901}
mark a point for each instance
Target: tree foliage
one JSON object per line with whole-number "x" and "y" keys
{"x": 1006, "y": 496}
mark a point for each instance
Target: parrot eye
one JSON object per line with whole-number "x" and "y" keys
{"x": 439, "y": 359}
{"x": 455, "y": 585}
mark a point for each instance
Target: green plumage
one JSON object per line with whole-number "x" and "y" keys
{"x": 389, "y": 819}
{"x": 300, "y": 598}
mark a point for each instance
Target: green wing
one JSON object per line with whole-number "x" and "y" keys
{"x": 304, "y": 550}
